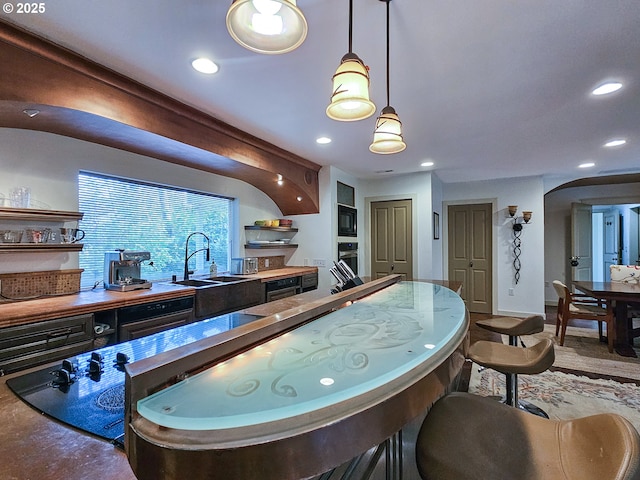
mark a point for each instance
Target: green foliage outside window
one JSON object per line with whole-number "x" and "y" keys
{"x": 131, "y": 215}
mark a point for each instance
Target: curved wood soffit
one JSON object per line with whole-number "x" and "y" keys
{"x": 81, "y": 99}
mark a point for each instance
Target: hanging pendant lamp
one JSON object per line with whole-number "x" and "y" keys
{"x": 350, "y": 98}
{"x": 267, "y": 26}
{"x": 387, "y": 136}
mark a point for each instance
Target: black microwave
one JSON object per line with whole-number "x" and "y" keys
{"x": 347, "y": 221}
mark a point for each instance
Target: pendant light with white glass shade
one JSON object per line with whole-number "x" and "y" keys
{"x": 387, "y": 136}
{"x": 350, "y": 98}
{"x": 267, "y": 26}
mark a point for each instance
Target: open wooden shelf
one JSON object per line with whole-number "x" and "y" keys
{"x": 31, "y": 214}
{"x": 40, "y": 247}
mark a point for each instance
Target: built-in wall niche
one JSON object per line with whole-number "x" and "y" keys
{"x": 346, "y": 194}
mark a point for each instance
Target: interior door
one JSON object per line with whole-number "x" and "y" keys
{"x": 634, "y": 236}
{"x": 391, "y": 234}
{"x": 581, "y": 259}
{"x": 612, "y": 251}
{"x": 470, "y": 258}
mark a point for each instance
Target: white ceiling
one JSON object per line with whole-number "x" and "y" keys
{"x": 484, "y": 88}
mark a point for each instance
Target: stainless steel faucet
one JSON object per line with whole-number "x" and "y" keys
{"x": 187, "y": 256}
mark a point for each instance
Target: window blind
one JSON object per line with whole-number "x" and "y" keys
{"x": 134, "y": 215}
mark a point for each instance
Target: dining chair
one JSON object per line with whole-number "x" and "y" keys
{"x": 629, "y": 274}
{"x": 576, "y": 306}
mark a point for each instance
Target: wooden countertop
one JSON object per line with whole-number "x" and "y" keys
{"x": 29, "y": 311}
{"x": 286, "y": 272}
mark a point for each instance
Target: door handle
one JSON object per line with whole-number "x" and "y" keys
{"x": 471, "y": 264}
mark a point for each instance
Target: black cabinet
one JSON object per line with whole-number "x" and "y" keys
{"x": 25, "y": 346}
{"x": 131, "y": 331}
{"x": 137, "y": 321}
{"x": 309, "y": 281}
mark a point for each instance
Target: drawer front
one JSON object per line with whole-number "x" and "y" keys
{"x": 34, "y": 358}
{"x": 309, "y": 280}
{"x": 149, "y": 326}
{"x": 45, "y": 336}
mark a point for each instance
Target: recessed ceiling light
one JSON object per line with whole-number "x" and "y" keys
{"x": 587, "y": 165}
{"x": 608, "y": 87}
{"x": 204, "y": 65}
{"x": 427, "y": 164}
{"x": 323, "y": 140}
{"x": 615, "y": 143}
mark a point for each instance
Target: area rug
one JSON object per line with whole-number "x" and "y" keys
{"x": 583, "y": 352}
{"x": 564, "y": 396}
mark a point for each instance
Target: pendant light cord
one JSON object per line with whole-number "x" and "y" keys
{"x": 350, "y": 24}
{"x": 388, "y": 2}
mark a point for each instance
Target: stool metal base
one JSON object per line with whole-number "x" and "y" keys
{"x": 531, "y": 408}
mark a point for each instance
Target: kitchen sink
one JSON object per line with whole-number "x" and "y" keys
{"x": 223, "y": 294}
{"x": 227, "y": 278}
{"x": 195, "y": 283}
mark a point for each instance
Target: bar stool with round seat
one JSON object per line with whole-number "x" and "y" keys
{"x": 511, "y": 361}
{"x": 469, "y": 437}
{"x": 513, "y": 327}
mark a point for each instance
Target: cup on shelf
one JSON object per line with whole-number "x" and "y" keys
{"x": 37, "y": 235}
{"x": 71, "y": 235}
{"x": 21, "y": 197}
{"x": 11, "y": 236}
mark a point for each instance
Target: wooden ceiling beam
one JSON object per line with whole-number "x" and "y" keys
{"x": 79, "y": 98}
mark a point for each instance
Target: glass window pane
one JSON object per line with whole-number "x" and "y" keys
{"x": 132, "y": 215}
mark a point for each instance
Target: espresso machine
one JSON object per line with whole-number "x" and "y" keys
{"x": 122, "y": 270}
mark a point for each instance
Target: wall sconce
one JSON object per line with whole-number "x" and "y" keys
{"x": 518, "y": 225}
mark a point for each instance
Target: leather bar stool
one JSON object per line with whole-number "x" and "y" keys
{"x": 469, "y": 437}
{"x": 512, "y": 361}
{"x": 514, "y": 328}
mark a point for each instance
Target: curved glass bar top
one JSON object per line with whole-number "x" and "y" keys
{"x": 338, "y": 356}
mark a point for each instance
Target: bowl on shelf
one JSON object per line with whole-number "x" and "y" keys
{"x": 284, "y": 222}
{"x": 259, "y": 223}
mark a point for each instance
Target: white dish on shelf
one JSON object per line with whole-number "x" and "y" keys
{"x": 259, "y": 242}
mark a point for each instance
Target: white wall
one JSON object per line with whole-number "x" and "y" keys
{"x": 527, "y": 193}
{"x": 316, "y": 235}
{"x": 49, "y": 164}
{"x": 418, "y": 187}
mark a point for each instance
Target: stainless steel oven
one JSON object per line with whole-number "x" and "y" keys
{"x": 348, "y": 252}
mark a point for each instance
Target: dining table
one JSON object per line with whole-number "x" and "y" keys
{"x": 620, "y": 295}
